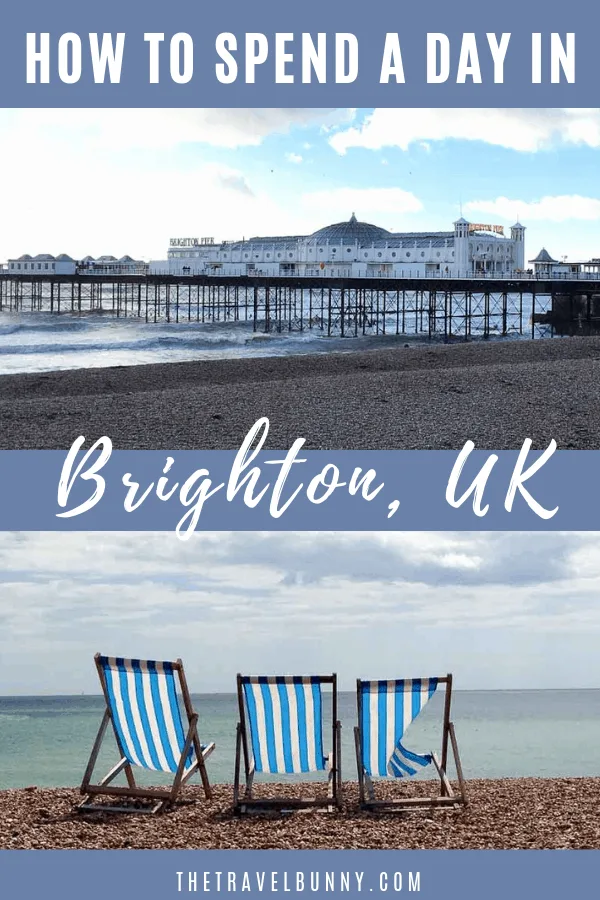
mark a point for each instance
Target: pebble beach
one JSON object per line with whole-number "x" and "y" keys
{"x": 495, "y": 393}
{"x": 519, "y": 813}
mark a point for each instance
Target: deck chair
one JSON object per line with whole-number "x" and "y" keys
{"x": 281, "y": 732}
{"x": 143, "y": 709}
{"x": 385, "y": 710}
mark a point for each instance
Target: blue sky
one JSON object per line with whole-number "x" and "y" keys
{"x": 125, "y": 181}
{"x": 499, "y": 610}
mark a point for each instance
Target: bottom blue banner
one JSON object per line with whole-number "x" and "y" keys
{"x": 162, "y": 874}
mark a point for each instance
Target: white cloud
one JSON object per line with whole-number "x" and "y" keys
{"x": 124, "y": 180}
{"x": 165, "y": 128}
{"x": 132, "y": 187}
{"x": 119, "y": 209}
{"x": 548, "y": 209}
{"x": 306, "y": 601}
{"x": 294, "y": 158}
{"x": 134, "y": 207}
{"x": 525, "y": 130}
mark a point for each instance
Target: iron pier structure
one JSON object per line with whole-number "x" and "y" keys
{"x": 446, "y": 308}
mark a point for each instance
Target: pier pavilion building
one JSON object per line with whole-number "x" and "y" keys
{"x": 355, "y": 249}
{"x": 545, "y": 266}
{"x": 63, "y": 264}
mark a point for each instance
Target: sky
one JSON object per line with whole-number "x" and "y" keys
{"x": 498, "y": 610}
{"x": 116, "y": 181}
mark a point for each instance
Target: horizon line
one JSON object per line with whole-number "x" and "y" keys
{"x": 230, "y": 693}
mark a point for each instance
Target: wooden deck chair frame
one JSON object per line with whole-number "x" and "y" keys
{"x": 447, "y": 797}
{"x": 249, "y": 804}
{"x": 164, "y": 798}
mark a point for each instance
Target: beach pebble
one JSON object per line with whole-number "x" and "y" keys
{"x": 531, "y": 813}
{"x": 495, "y": 393}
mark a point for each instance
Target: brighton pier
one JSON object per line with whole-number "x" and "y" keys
{"x": 436, "y": 307}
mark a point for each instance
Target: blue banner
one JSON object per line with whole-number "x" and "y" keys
{"x": 433, "y": 874}
{"x": 72, "y": 54}
{"x": 95, "y": 488}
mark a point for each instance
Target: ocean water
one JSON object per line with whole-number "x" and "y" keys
{"x": 47, "y": 740}
{"x": 40, "y": 342}
{"x": 44, "y": 342}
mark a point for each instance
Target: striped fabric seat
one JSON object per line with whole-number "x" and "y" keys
{"x": 387, "y": 709}
{"x": 143, "y": 704}
{"x": 285, "y": 720}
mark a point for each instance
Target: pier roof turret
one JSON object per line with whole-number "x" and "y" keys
{"x": 543, "y": 257}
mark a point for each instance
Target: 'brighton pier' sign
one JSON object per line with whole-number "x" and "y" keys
{"x": 184, "y": 242}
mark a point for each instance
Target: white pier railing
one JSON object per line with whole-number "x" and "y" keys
{"x": 403, "y": 274}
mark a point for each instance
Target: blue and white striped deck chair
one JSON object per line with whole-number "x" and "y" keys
{"x": 385, "y": 711}
{"x": 281, "y": 732}
{"x": 143, "y": 707}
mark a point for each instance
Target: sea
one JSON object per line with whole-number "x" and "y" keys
{"x": 45, "y": 342}
{"x": 41, "y": 342}
{"x": 46, "y": 741}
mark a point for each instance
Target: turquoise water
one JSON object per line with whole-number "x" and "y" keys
{"x": 47, "y": 740}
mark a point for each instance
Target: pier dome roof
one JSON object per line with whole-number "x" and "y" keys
{"x": 350, "y": 232}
